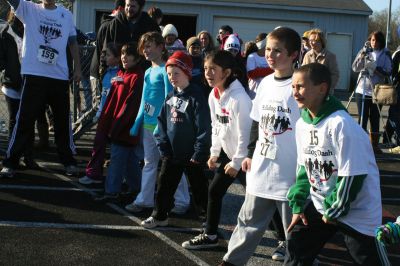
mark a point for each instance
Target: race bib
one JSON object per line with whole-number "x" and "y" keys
{"x": 149, "y": 109}
{"x": 268, "y": 150}
{"x": 47, "y": 55}
{"x": 179, "y": 104}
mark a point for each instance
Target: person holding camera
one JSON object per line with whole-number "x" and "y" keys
{"x": 374, "y": 64}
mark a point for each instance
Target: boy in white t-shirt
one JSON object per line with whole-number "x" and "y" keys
{"x": 337, "y": 168}
{"x": 271, "y": 159}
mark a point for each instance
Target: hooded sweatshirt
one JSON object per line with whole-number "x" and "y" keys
{"x": 336, "y": 166}
{"x": 184, "y": 126}
{"x": 230, "y": 122}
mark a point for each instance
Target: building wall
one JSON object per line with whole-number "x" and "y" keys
{"x": 356, "y": 25}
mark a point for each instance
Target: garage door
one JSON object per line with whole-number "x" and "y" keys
{"x": 341, "y": 45}
{"x": 248, "y": 29}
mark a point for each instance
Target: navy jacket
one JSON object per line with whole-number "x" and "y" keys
{"x": 184, "y": 126}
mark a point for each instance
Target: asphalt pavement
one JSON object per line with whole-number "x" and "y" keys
{"x": 47, "y": 218}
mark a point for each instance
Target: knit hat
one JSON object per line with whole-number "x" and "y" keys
{"x": 192, "y": 41}
{"x": 169, "y": 29}
{"x": 232, "y": 42}
{"x": 181, "y": 60}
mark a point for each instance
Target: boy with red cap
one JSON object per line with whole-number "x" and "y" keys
{"x": 183, "y": 138}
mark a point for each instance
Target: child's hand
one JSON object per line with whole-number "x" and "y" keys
{"x": 325, "y": 220}
{"x": 229, "y": 170}
{"x": 212, "y": 162}
{"x": 295, "y": 219}
{"x": 246, "y": 165}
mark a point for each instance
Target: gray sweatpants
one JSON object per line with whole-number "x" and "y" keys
{"x": 253, "y": 219}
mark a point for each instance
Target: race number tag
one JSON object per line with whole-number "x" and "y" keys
{"x": 179, "y": 104}
{"x": 47, "y": 55}
{"x": 268, "y": 150}
{"x": 149, "y": 109}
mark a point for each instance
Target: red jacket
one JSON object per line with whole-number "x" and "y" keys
{"x": 121, "y": 107}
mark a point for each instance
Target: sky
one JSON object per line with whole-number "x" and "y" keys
{"x": 378, "y": 5}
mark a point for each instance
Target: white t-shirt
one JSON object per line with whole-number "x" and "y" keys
{"x": 45, "y": 40}
{"x": 254, "y": 61}
{"x": 273, "y": 167}
{"x": 337, "y": 146}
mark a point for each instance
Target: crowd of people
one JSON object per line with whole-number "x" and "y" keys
{"x": 196, "y": 117}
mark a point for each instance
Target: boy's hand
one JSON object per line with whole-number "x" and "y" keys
{"x": 212, "y": 162}
{"x": 246, "y": 165}
{"x": 229, "y": 170}
{"x": 325, "y": 220}
{"x": 295, "y": 219}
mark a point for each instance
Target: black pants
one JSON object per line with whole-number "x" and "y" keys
{"x": 393, "y": 123}
{"x": 305, "y": 242}
{"x": 217, "y": 190}
{"x": 167, "y": 183}
{"x": 370, "y": 112}
{"x": 36, "y": 92}
{"x": 13, "y": 106}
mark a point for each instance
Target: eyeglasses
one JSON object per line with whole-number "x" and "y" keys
{"x": 221, "y": 32}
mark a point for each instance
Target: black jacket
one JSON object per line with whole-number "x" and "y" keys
{"x": 121, "y": 30}
{"x": 184, "y": 126}
{"x": 10, "y": 67}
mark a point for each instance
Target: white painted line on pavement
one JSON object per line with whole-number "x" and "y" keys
{"x": 21, "y": 187}
{"x": 390, "y": 199}
{"x": 67, "y": 226}
{"x": 135, "y": 219}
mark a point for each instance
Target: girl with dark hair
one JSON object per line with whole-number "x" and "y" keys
{"x": 375, "y": 65}
{"x": 156, "y": 87}
{"x": 94, "y": 169}
{"x": 230, "y": 107}
{"x": 119, "y": 112}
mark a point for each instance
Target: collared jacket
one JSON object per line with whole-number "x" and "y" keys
{"x": 10, "y": 67}
{"x": 184, "y": 126}
{"x": 325, "y": 58}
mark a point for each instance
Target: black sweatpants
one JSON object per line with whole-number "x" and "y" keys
{"x": 167, "y": 183}
{"x": 305, "y": 242}
{"x": 36, "y": 92}
{"x": 217, "y": 190}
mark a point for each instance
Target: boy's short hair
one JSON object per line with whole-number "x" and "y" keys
{"x": 289, "y": 37}
{"x": 317, "y": 73}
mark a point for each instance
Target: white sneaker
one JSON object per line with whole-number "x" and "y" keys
{"x": 280, "y": 252}
{"x": 133, "y": 207}
{"x": 179, "y": 209}
{"x": 151, "y": 222}
{"x": 87, "y": 180}
{"x": 7, "y": 172}
{"x": 71, "y": 170}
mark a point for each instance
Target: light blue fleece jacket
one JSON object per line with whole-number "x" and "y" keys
{"x": 155, "y": 89}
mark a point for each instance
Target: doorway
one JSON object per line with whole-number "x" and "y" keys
{"x": 186, "y": 25}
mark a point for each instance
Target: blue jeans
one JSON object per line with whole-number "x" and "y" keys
{"x": 124, "y": 164}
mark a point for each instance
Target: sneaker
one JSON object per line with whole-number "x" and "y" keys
{"x": 108, "y": 197}
{"x": 280, "y": 251}
{"x": 180, "y": 210}
{"x": 87, "y": 180}
{"x": 7, "y": 172}
{"x": 133, "y": 207}
{"x": 151, "y": 222}
{"x": 395, "y": 150}
{"x": 71, "y": 170}
{"x": 201, "y": 241}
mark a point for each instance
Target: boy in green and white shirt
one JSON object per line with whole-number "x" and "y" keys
{"x": 337, "y": 168}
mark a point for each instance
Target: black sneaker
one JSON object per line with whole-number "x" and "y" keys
{"x": 199, "y": 242}
{"x": 280, "y": 251}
